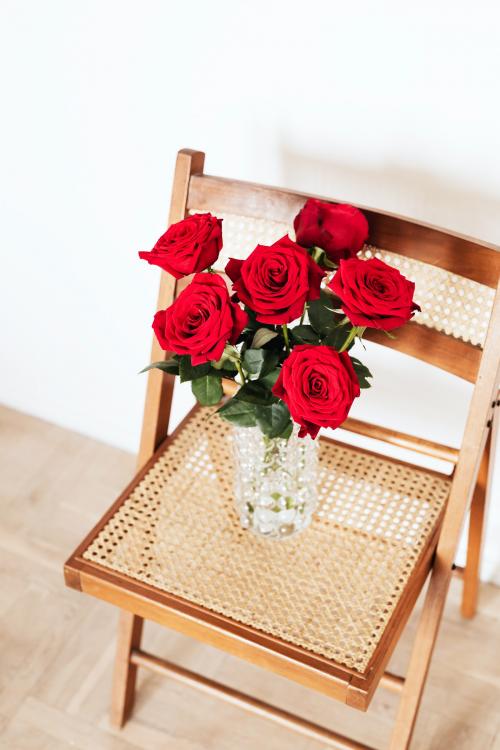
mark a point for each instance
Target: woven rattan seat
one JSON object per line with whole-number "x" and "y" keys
{"x": 176, "y": 529}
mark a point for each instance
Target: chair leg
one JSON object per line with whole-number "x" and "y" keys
{"x": 125, "y": 673}
{"x": 423, "y": 648}
{"x": 475, "y": 536}
{"x": 433, "y": 608}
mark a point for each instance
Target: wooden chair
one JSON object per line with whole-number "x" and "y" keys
{"x": 170, "y": 548}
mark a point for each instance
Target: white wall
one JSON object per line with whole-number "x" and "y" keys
{"x": 387, "y": 104}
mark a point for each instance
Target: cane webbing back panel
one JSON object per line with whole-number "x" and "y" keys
{"x": 330, "y": 589}
{"x": 452, "y": 304}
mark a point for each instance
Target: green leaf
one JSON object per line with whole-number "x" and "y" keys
{"x": 252, "y": 323}
{"x": 321, "y": 317}
{"x": 227, "y": 371}
{"x": 255, "y": 393}
{"x": 253, "y": 361}
{"x": 362, "y": 373}
{"x": 273, "y": 419}
{"x": 229, "y": 357}
{"x": 287, "y": 431}
{"x": 207, "y": 389}
{"x": 259, "y": 361}
{"x": 238, "y": 412}
{"x": 304, "y": 334}
{"x": 261, "y": 337}
{"x": 169, "y": 365}
{"x": 328, "y": 298}
{"x": 270, "y": 379}
{"x": 224, "y": 365}
{"x": 189, "y": 372}
{"x": 337, "y": 337}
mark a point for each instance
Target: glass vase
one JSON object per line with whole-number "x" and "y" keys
{"x": 275, "y": 483}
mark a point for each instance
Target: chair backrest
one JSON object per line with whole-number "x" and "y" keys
{"x": 455, "y": 276}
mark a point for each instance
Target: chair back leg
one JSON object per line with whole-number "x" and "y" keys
{"x": 154, "y": 429}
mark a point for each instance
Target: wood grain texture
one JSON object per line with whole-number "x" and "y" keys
{"x": 458, "y": 254}
{"x": 463, "y": 485}
{"x": 395, "y": 628}
{"x": 160, "y": 386}
{"x": 431, "y": 346}
{"x": 55, "y": 485}
{"x": 475, "y": 535}
{"x": 128, "y": 595}
{"x": 244, "y": 701}
{"x": 401, "y": 439}
{"x": 155, "y": 424}
{"x": 125, "y": 672}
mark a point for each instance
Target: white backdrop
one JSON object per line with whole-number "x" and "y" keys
{"x": 385, "y": 104}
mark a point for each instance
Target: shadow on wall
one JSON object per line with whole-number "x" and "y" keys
{"x": 410, "y": 192}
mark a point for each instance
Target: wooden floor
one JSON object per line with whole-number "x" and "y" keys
{"x": 56, "y": 646}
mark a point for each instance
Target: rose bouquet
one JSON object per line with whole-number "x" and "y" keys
{"x": 284, "y": 332}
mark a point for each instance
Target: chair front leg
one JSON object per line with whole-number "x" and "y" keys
{"x": 423, "y": 647}
{"x": 476, "y": 532}
{"x": 432, "y": 612}
{"x": 125, "y": 673}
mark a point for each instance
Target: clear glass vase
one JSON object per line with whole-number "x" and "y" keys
{"x": 275, "y": 483}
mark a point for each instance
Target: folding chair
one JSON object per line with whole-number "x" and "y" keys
{"x": 170, "y": 548}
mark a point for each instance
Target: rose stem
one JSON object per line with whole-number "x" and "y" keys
{"x": 285, "y": 336}
{"x": 355, "y": 331}
{"x": 303, "y": 315}
{"x": 240, "y": 371}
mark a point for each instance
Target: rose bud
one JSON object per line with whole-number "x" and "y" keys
{"x": 318, "y": 384}
{"x": 374, "y": 294}
{"x": 338, "y": 229}
{"x": 187, "y": 247}
{"x": 201, "y": 320}
{"x": 276, "y": 281}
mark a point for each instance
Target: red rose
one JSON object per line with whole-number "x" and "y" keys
{"x": 201, "y": 320}
{"x": 191, "y": 245}
{"x": 374, "y": 294}
{"x": 318, "y": 384}
{"x": 338, "y": 229}
{"x": 276, "y": 281}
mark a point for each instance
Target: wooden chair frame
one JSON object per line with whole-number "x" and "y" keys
{"x": 469, "y": 487}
